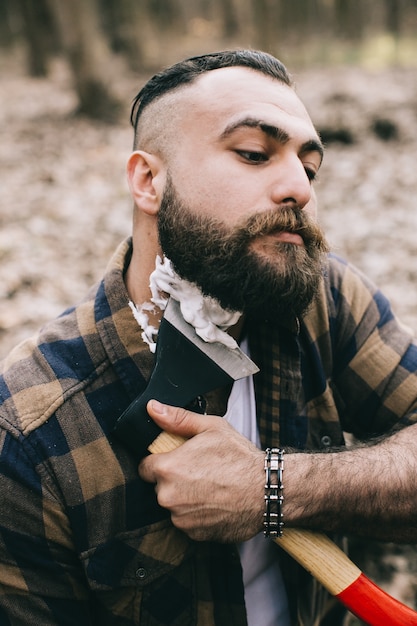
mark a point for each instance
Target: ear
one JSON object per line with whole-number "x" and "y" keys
{"x": 145, "y": 174}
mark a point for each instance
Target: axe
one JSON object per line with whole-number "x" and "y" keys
{"x": 186, "y": 367}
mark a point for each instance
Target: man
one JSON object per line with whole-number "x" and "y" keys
{"x": 221, "y": 176}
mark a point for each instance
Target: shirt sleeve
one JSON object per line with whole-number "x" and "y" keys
{"x": 41, "y": 580}
{"x": 375, "y": 357}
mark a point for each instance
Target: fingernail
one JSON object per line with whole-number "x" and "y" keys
{"x": 158, "y": 407}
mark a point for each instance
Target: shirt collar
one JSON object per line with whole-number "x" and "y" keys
{"x": 117, "y": 327}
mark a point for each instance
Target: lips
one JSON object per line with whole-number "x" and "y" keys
{"x": 282, "y": 225}
{"x": 287, "y": 237}
{"x": 267, "y": 243}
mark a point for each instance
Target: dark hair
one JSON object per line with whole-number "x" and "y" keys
{"x": 185, "y": 72}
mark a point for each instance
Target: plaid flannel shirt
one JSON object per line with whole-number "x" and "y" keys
{"x": 82, "y": 538}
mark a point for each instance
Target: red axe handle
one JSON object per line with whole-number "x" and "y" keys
{"x": 343, "y": 579}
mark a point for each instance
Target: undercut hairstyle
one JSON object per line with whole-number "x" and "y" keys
{"x": 187, "y": 71}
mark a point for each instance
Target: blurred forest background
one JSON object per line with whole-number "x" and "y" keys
{"x": 149, "y": 33}
{"x": 68, "y": 72}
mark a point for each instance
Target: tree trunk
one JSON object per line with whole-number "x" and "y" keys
{"x": 166, "y": 14}
{"x": 229, "y": 18}
{"x": 265, "y": 16}
{"x": 349, "y": 19}
{"x": 126, "y": 25}
{"x": 393, "y": 20}
{"x": 37, "y": 27}
{"x": 88, "y": 54}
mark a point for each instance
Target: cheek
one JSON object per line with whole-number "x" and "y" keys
{"x": 311, "y": 206}
{"x": 217, "y": 197}
{"x": 214, "y": 192}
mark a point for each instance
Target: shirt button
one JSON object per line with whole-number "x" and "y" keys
{"x": 326, "y": 441}
{"x": 141, "y": 573}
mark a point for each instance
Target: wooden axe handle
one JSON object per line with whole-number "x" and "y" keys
{"x": 330, "y": 566}
{"x": 165, "y": 442}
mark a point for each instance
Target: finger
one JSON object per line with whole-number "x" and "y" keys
{"x": 180, "y": 421}
{"x": 146, "y": 470}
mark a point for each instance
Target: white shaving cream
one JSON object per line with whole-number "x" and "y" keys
{"x": 209, "y": 319}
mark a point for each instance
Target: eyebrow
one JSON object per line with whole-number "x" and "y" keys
{"x": 276, "y": 133}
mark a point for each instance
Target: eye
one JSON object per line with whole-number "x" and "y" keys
{"x": 253, "y": 156}
{"x": 311, "y": 174}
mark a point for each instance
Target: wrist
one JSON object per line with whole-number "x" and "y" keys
{"x": 274, "y": 492}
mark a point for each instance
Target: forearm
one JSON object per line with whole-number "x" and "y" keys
{"x": 368, "y": 490}
{"x": 214, "y": 484}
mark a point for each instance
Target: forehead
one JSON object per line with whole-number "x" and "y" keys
{"x": 219, "y": 96}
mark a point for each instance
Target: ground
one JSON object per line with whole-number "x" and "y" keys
{"x": 64, "y": 203}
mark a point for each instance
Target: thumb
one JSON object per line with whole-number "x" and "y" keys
{"x": 178, "y": 421}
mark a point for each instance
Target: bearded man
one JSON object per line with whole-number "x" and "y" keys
{"x": 221, "y": 175}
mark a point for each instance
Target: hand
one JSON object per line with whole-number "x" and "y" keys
{"x": 214, "y": 483}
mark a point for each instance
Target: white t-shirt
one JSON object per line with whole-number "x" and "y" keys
{"x": 265, "y": 594}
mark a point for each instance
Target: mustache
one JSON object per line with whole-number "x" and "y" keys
{"x": 284, "y": 219}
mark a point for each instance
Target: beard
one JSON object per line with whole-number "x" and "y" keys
{"x": 219, "y": 260}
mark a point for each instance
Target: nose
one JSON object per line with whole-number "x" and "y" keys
{"x": 291, "y": 184}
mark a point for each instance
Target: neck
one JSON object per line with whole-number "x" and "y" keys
{"x": 141, "y": 266}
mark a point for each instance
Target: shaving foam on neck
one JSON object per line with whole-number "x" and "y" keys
{"x": 209, "y": 319}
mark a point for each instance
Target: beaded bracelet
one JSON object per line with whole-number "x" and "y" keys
{"x": 274, "y": 492}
